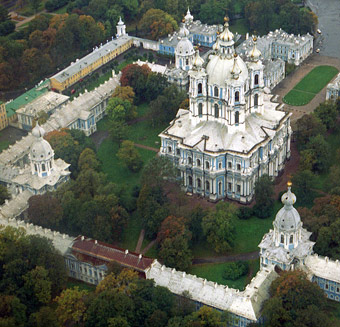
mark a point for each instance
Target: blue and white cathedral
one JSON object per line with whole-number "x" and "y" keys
{"x": 232, "y": 133}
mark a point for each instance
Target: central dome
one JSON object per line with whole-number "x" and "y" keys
{"x": 219, "y": 69}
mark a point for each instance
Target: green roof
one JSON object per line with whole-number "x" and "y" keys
{"x": 27, "y": 97}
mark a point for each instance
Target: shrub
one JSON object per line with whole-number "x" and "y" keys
{"x": 245, "y": 213}
{"x": 234, "y": 270}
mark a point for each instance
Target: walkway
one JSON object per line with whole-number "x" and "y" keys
{"x": 227, "y": 258}
{"x": 142, "y": 146}
{"x": 140, "y": 241}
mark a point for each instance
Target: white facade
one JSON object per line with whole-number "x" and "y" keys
{"x": 333, "y": 89}
{"x": 121, "y": 28}
{"x": 232, "y": 133}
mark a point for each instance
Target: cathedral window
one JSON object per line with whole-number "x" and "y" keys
{"x": 256, "y": 100}
{"x": 237, "y": 96}
{"x": 178, "y": 152}
{"x": 229, "y": 187}
{"x": 169, "y": 149}
{"x": 216, "y": 91}
{"x": 199, "y": 88}
{"x": 282, "y": 239}
{"x": 43, "y": 167}
{"x": 237, "y": 117}
{"x": 216, "y": 110}
{"x": 200, "y": 110}
{"x": 199, "y": 184}
{"x": 238, "y": 188}
{"x": 187, "y": 62}
{"x": 207, "y": 186}
{"x": 220, "y": 188}
{"x": 50, "y": 164}
{"x": 256, "y": 80}
{"x": 291, "y": 239}
{"x": 35, "y": 167}
{"x": 190, "y": 181}
{"x": 220, "y": 165}
{"x": 229, "y": 165}
{"x": 198, "y": 163}
{"x": 238, "y": 167}
{"x": 207, "y": 165}
{"x": 189, "y": 160}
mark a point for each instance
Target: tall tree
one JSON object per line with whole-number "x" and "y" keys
{"x": 264, "y": 192}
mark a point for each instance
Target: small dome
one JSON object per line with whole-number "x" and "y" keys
{"x": 38, "y": 131}
{"x": 120, "y": 23}
{"x": 183, "y": 32}
{"x": 255, "y": 53}
{"x": 198, "y": 61}
{"x": 185, "y": 47}
{"x": 288, "y": 218}
{"x": 226, "y": 35}
{"x": 41, "y": 150}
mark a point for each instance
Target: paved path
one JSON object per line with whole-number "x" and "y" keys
{"x": 291, "y": 80}
{"x": 148, "y": 247}
{"x": 98, "y": 138}
{"x": 227, "y": 258}
{"x": 146, "y": 147}
{"x": 140, "y": 241}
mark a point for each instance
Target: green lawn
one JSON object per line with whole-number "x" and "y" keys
{"x": 61, "y": 10}
{"x": 71, "y": 283}
{"x": 4, "y": 145}
{"x": 304, "y": 91}
{"x": 214, "y": 273}
{"x": 131, "y": 233}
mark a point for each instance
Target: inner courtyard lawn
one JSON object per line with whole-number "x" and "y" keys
{"x": 304, "y": 91}
{"x": 214, "y": 272}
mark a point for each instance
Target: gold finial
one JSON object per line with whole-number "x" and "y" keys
{"x": 235, "y": 55}
{"x": 254, "y": 38}
{"x": 289, "y": 184}
{"x": 226, "y": 19}
{"x": 183, "y": 20}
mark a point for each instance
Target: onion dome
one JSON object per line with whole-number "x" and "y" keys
{"x": 288, "y": 218}
{"x": 236, "y": 70}
{"x": 183, "y": 32}
{"x": 226, "y": 35}
{"x": 198, "y": 61}
{"x": 255, "y": 53}
{"x": 188, "y": 17}
{"x": 120, "y": 23}
{"x": 184, "y": 46}
{"x": 41, "y": 150}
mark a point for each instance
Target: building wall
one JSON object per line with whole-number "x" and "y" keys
{"x": 3, "y": 116}
{"x": 60, "y": 86}
{"x": 331, "y": 288}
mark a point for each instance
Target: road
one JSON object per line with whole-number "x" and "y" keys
{"x": 328, "y": 12}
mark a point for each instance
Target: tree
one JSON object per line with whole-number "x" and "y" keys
{"x": 205, "y": 316}
{"x": 46, "y": 316}
{"x": 171, "y": 227}
{"x": 175, "y": 252}
{"x": 71, "y": 306}
{"x": 45, "y": 210}
{"x": 88, "y": 160}
{"x": 124, "y": 93}
{"x": 4, "y": 195}
{"x": 219, "y": 226}
{"x": 158, "y": 23}
{"x": 118, "y": 322}
{"x": 264, "y": 197}
{"x": 120, "y": 110}
{"x": 303, "y": 182}
{"x": 327, "y": 113}
{"x": 118, "y": 130}
{"x": 155, "y": 85}
{"x": 130, "y": 156}
{"x": 12, "y": 311}
{"x": 213, "y": 11}
{"x": 295, "y": 301}
{"x": 321, "y": 152}
{"x": 35, "y": 4}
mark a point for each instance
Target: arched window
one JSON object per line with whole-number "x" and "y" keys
{"x": 187, "y": 62}
{"x": 207, "y": 165}
{"x": 237, "y": 117}
{"x": 169, "y": 149}
{"x": 199, "y": 90}
{"x": 256, "y": 100}
{"x": 237, "y": 96}
{"x": 198, "y": 163}
{"x": 43, "y": 168}
{"x": 189, "y": 160}
{"x": 282, "y": 239}
{"x": 220, "y": 188}
{"x": 35, "y": 167}
{"x": 256, "y": 80}
{"x": 216, "y": 91}
{"x": 200, "y": 110}
{"x": 198, "y": 182}
{"x": 50, "y": 164}
{"x": 207, "y": 186}
{"x": 291, "y": 239}
{"x": 216, "y": 110}
{"x": 190, "y": 181}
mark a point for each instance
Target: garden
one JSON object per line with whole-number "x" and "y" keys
{"x": 304, "y": 91}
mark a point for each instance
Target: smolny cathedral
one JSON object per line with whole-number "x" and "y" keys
{"x": 232, "y": 133}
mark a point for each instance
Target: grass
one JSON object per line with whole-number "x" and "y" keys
{"x": 61, "y": 10}
{"x": 4, "y": 145}
{"x": 71, "y": 283}
{"x": 131, "y": 233}
{"x": 214, "y": 272}
{"x": 304, "y": 91}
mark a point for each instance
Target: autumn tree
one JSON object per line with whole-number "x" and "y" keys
{"x": 171, "y": 227}
{"x": 45, "y": 210}
{"x": 124, "y": 93}
{"x": 88, "y": 160}
{"x": 295, "y": 301}
{"x": 157, "y": 23}
{"x": 219, "y": 226}
{"x": 71, "y": 306}
{"x": 129, "y": 155}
